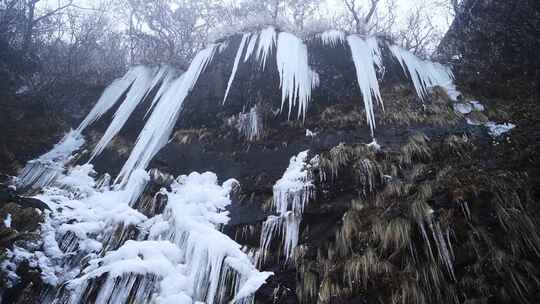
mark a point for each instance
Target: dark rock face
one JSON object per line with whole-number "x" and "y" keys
{"x": 497, "y": 42}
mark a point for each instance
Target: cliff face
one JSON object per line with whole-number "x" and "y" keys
{"x": 496, "y": 44}
{"x": 437, "y": 210}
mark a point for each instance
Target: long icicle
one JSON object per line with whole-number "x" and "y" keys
{"x": 366, "y": 55}
{"x": 235, "y": 66}
{"x": 159, "y": 127}
{"x": 135, "y": 95}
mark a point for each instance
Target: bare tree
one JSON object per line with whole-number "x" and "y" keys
{"x": 33, "y": 19}
{"x": 419, "y": 35}
{"x": 361, "y": 19}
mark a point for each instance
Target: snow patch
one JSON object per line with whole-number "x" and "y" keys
{"x": 496, "y": 130}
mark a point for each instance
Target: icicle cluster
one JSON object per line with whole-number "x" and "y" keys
{"x": 333, "y": 38}
{"x": 296, "y": 77}
{"x": 159, "y": 126}
{"x": 425, "y": 74}
{"x": 249, "y": 124}
{"x": 291, "y": 194}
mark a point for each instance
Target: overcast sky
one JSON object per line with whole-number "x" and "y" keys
{"x": 440, "y": 16}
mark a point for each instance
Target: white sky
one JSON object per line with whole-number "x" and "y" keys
{"x": 441, "y": 16}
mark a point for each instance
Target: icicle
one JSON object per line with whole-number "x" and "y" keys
{"x": 108, "y": 99}
{"x": 333, "y": 38}
{"x": 137, "y": 92}
{"x": 251, "y": 46}
{"x": 296, "y": 77}
{"x": 267, "y": 41}
{"x": 236, "y": 62}
{"x": 165, "y": 75}
{"x": 366, "y": 55}
{"x": 425, "y": 74}
{"x": 159, "y": 126}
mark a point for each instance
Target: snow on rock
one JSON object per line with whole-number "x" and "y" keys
{"x": 159, "y": 126}
{"x": 496, "y": 130}
{"x": 425, "y": 74}
{"x": 477, "y": 106}
{"x": 333, "y": 38}
{"x": 185, "y": 254}
{"x": 292, "y": 192}
{"x": 296, "y": 77}
{"x": 468, "y": 107}
{"x": 7, "y": 221}
{"x": 366, "y": 55}
{"x": 463, "y": 108}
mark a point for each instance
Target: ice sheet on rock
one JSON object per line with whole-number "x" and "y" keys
{"x": 291, "y": 194}
{"x": 43, "y": 170}
{"x": 425, "y": 74}
{"x": 296, "y": 77}
{"x": 366, "y": 55}
{"x": 239, "y": 53}
{"x": 267, "y": 41}
{"x": 160, "y": 124}
{"x": 294, "y": 189}
{"x": 333, "y": 38}
{"x": 137, "y": 92}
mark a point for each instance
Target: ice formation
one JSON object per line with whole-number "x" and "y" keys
{"x": 40, "y": 172}
{"x": 296, "y": 77}
{"x": 251, "y": 46}
{"x": 159, "y": 126}
{"x": 366, "y": 56}
{"x": 250, "y": 124}
{"x": 239, "y": 52}
{"x": 333, "y": 38}
{"x": 179, "y": 255}
{"x": 292, "y": 192}
{"x": 140, "y": 87}
{"x": 169, "y": 248}
{"x": 425, "y": 74}
{"x": 267, "y": 41}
